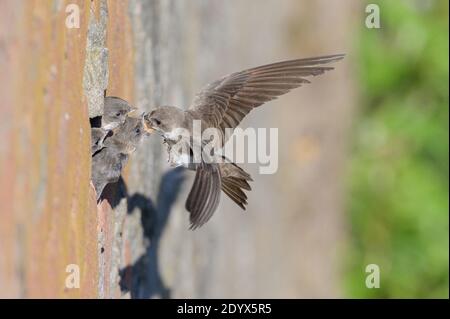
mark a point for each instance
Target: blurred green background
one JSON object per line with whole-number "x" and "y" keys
{"x": 398, "y": 199}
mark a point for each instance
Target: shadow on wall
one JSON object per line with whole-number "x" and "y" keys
{"x": 143, "y": 279}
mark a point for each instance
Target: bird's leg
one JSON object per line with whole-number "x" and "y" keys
{"x": 169, "y": 150}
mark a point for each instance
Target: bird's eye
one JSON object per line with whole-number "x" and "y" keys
{"x": 138, "y": 131}
{"x": 118, "y": 114}
{"x": 157, "y": 122}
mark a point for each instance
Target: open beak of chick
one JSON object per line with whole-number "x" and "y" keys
{"x": 146, "y": 123}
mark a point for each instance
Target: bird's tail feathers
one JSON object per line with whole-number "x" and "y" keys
{"x": 234, "y": 182}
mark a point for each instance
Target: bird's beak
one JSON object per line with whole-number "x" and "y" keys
{"x": 146, "y": 125}
{"x": 111, "y": 126}
{"x": 132, "y": 109}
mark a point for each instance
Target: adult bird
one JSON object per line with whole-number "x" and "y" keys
{"x": 222, "y": 105}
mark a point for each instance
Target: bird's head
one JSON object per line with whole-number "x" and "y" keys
{"x": 163, "y": 119}
{"x": 127, "y": 135}
{"x": 98, "y": 135}
{"x": 115, "y": 112}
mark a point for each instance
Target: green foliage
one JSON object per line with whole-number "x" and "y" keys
{"x": 399, "y": 174}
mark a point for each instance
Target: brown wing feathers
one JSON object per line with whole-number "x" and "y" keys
{"x": 224, "y": 103}
{"x": 266, "y": 83}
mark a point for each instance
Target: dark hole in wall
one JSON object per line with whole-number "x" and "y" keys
{"x": 96, "y": 121}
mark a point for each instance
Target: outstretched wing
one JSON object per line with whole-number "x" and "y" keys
{"x": 225, "y": 102}
{"x": 204, "y": 196}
